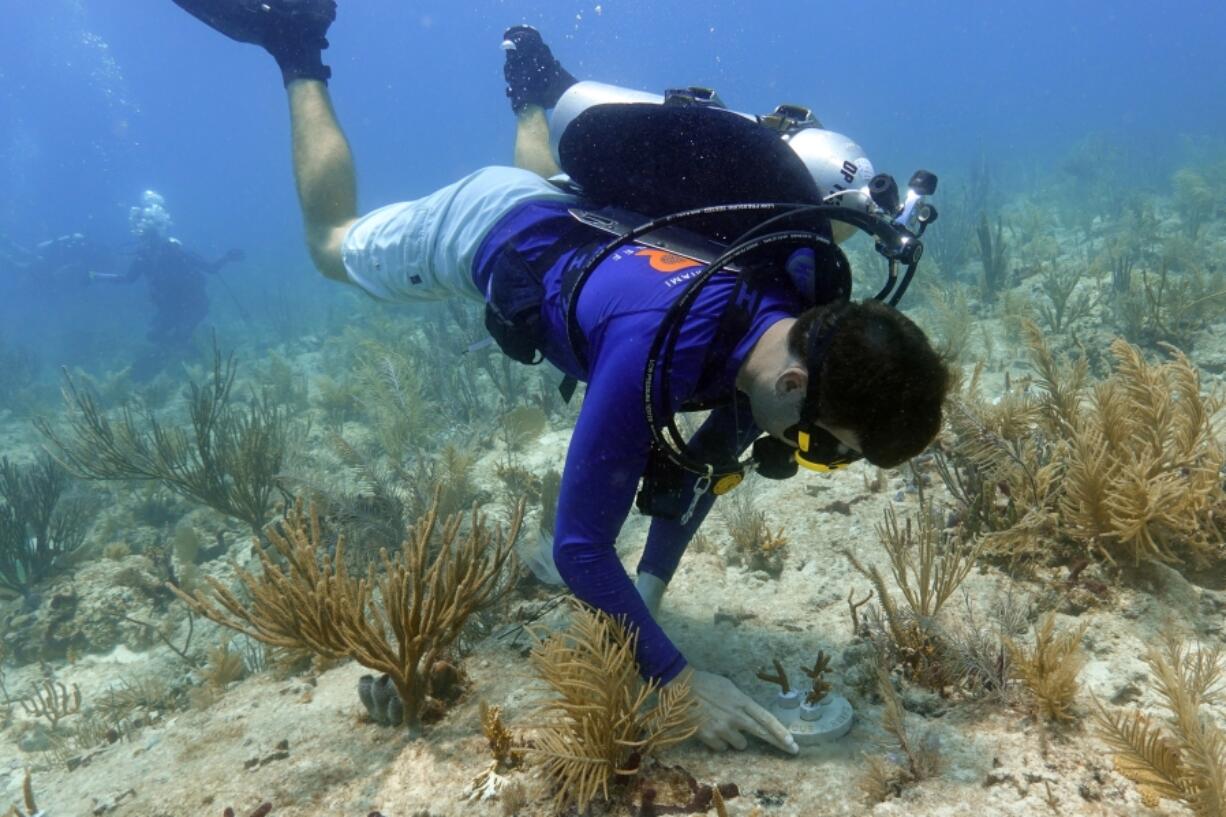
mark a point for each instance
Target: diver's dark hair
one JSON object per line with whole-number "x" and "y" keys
{"x": 878, "y": 376}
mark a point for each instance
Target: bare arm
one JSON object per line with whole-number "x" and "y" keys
{"x": 324, "y": 174}
{"x": 532, "y": 142}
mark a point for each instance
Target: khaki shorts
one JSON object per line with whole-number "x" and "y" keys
{"x": 423, "y": 250}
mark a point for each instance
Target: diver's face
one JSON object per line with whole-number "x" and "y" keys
{"x": 782, "y": 419}
{"x": 778, "y": 409}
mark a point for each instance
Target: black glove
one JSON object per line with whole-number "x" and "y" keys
{"x": 533, "y": 76}
{"x": 293, "y": 31}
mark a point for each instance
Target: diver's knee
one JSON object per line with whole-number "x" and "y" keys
{"x": 325, "y": 245}
{"x": 327, "y": 260}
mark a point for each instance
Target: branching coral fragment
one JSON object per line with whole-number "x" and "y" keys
{"x": 821, "y": 665}
{"x": 780, "y": 677}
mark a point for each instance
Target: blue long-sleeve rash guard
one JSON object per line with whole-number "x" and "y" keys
{"x": 619, "y": 310}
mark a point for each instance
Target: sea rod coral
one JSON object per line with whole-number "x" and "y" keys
{"x": 398, "y": 620}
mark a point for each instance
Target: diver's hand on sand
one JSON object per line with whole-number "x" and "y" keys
{"x": 725, "y": 712}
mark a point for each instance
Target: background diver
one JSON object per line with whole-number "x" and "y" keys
{"x": 61, "y": 264}
{"x": 176, "y": 280}
{"x": 838, "y": 380}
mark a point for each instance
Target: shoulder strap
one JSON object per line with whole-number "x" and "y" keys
{"x": 618, "y": 224}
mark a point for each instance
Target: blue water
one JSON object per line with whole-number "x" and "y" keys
{"x": 102, "y": 99}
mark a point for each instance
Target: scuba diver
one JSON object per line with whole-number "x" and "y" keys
{"x": 176, "y": 281}
{"x": 58, "y": 264}
{"x": 689, "y": 263}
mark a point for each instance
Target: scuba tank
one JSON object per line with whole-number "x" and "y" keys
{"x": 588, "y": 129}
{"x": 684, "y": 157}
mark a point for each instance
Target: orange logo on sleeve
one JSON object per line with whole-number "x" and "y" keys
{"x": 664, "y": 261}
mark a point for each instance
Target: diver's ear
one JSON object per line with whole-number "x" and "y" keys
{"x": 792, "y": 382}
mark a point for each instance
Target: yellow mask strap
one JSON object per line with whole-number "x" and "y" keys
{"x": 820, "y": 467}
{"x": 803, "y": 441}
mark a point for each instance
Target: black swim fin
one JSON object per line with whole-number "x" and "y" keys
{"x": 533, "y": 75}
{"x": 293, "y": 31}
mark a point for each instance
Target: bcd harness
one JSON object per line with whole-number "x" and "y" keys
{"x": 516, "y": 325}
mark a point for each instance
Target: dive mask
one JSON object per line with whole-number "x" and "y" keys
{"x": 811, "y": 446}
{"x": 816, "y": 448}
{"x": 819, "y": 450}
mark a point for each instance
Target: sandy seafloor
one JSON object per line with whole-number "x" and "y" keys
{"x": 303, "y": 744}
